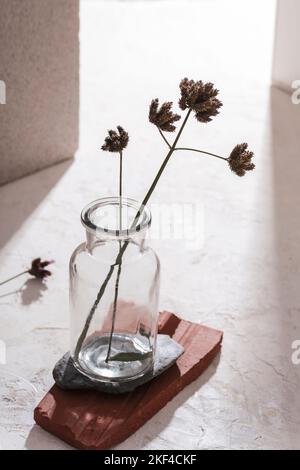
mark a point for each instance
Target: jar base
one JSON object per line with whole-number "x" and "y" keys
{"x": 129, "y": 359}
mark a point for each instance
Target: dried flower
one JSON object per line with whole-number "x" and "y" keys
{"x": 116, "y": 141}
{"x": 195, "y": 96}
{"x": 240, "y": 159}
{"x": 37, "y": 268}
{"x": 163, "y": 117}
{"x": 201, "y": 98}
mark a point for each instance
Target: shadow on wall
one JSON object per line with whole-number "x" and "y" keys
{"x": 286, "y": 203}
{"x": 39, "y": 57}
{"x": 286, "y": 174}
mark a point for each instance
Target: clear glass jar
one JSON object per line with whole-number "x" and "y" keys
{"x": 114, "y": 288}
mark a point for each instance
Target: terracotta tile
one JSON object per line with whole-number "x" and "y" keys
{"x": 94, "y": 420}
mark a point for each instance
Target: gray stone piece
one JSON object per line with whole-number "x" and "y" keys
{"x": 68, "y": 377}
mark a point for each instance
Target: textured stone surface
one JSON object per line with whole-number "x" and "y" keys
{"x": 244, "y": 278}
{"x": 39, "y": 57}
{"x": 95, "y": 420}
{"x": 67, "y": 377}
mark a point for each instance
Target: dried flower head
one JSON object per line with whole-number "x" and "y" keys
{"x": 163, "y": 117}
{"x": 38, "y": 268}
{"x": 201, "y": 98}
{"x": 240, "y": 159}
{"x": 116, "y": 141}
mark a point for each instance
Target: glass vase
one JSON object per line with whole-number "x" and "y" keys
{"x": 114, "y": 289}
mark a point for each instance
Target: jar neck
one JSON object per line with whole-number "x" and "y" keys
{"x": 92, "y": 240}
{"x": 112, "y": 219}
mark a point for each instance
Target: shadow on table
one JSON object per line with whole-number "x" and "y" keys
{"x": 39, "y": 439}
{"x": 31, "y": 291}
{"x": 20, "y": 198}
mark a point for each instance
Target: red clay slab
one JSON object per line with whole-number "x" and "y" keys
{"x": 95, "y": 420}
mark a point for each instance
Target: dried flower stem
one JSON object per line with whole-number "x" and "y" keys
{"x": 114, "y": 309}
{"x": 92, "y": 311}
{"x": 164, "y": 138}
{"x": 37, "y": 269}
{"x": 190, "y": 149}
{"x": 13, "y": 277}
{"x": 164, "y": 164}
{"x": 125, "y": 244}
{"x": 119, "y": 267}
{"x": 202, "y": 151}
{"x": 120, "y": 188}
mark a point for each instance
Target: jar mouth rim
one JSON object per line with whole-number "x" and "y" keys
{"x": 89, "y": 211}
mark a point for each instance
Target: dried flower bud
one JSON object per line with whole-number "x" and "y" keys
{"x": 163, "y": 117}
{"x": 240, "y": 159}
{"x": 201, "y": 98}
{"x": 116, "y": 141}
{"x": 37, "y": 268}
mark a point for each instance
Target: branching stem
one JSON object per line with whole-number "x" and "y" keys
{"x": 201, "y": 151}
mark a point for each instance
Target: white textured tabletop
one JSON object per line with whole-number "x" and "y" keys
{"x": 243, "y": 279}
